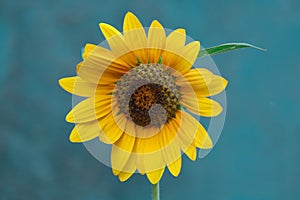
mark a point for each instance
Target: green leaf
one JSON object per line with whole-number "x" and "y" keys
{"x": 226, "y": 47}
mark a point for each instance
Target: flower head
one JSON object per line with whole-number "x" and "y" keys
{"x": 140, "y": 94}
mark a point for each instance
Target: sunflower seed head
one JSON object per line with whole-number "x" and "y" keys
{"x": 148, "y": 95}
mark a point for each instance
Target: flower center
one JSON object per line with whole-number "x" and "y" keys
{"x": 148, "y": 95}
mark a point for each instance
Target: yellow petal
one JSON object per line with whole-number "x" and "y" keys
{"x": 124, "y": 176}
{"x": 77, "y": 135}
{"x": 170, "y": 146}
{"x": 90, "y": 109}
{"x": 191, "y": 152}
{"x": 151, "y": 161}
{"x": 213, "y": 87}
{"x": 116, "y": 172}
{"x": 128, "y": 170}
{"x": 147, "y": 150}
{"x": 188, "y": 55}
{"x": 202, "y": 139}
{"x": 156, "y": 41}
{"x": 109, "y": 31}
{"x": 101, "y": 67}
{"x": 199, "y": 77}
{"x": 100, "y": 58}
{"x": 83, "y": 132}
{"x": 110, "y": 128}
{"x": 178, "y": 56}
{"x": 117, "y": 44}
{"x": 77, "y": 86}
{"x": 176, "y": 40}
{"x": 174, "y": 46}
{"x": 130, "y": 165}
{"x": 147, "y": 132}
{"x": 191, "y": 130}
{"x": 148, "y": 144}
{"x": 175, "y": 167}
{"x": 131, "y": 22}
{"x": 121, "y": 151}
{"x": 135, "y": 37}
{"x": 104, "y": 90}
{"x": 138, "y": 150}
{"x": 78, "y": 66}
{"x": 129, "y": 127}
{"x": 88, "y": 48}
{"x": 155, "y": 176}
{"x": 202, "y": 106}
{"x": 119, "y": 118}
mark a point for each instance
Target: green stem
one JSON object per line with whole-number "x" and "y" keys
{"x": 155, "y": 191}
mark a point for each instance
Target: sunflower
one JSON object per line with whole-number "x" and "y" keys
{"x": 141, "y": 96}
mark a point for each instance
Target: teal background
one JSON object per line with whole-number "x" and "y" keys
{"x": 257, "y": 156}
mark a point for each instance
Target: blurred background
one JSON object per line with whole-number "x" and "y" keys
{"x": 256, "y": 157}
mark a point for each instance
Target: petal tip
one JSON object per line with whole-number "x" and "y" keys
{"x": 61, "y": 83}
{"x": 105, "y": 26}
{"x": 101, "y": 25}
{"x": 193, "y": 158}
{"x": 225, "y": 82}
{"x": 175, "y": 167}
{"x": 155, "y": 24}
{"x": 181, "y": 30}
{"x": 69, "y": 117}
{"x": 197, "y": 43}
{"x": 73, "y": 140}
{"x": 155, "y": 176}
{"x": 124, "y": 176}
{"x": 74, "y": 137}
{"x": 115, "y": 172}
{"x": 207, "y": 144}
{"x": 129, "y": 14}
